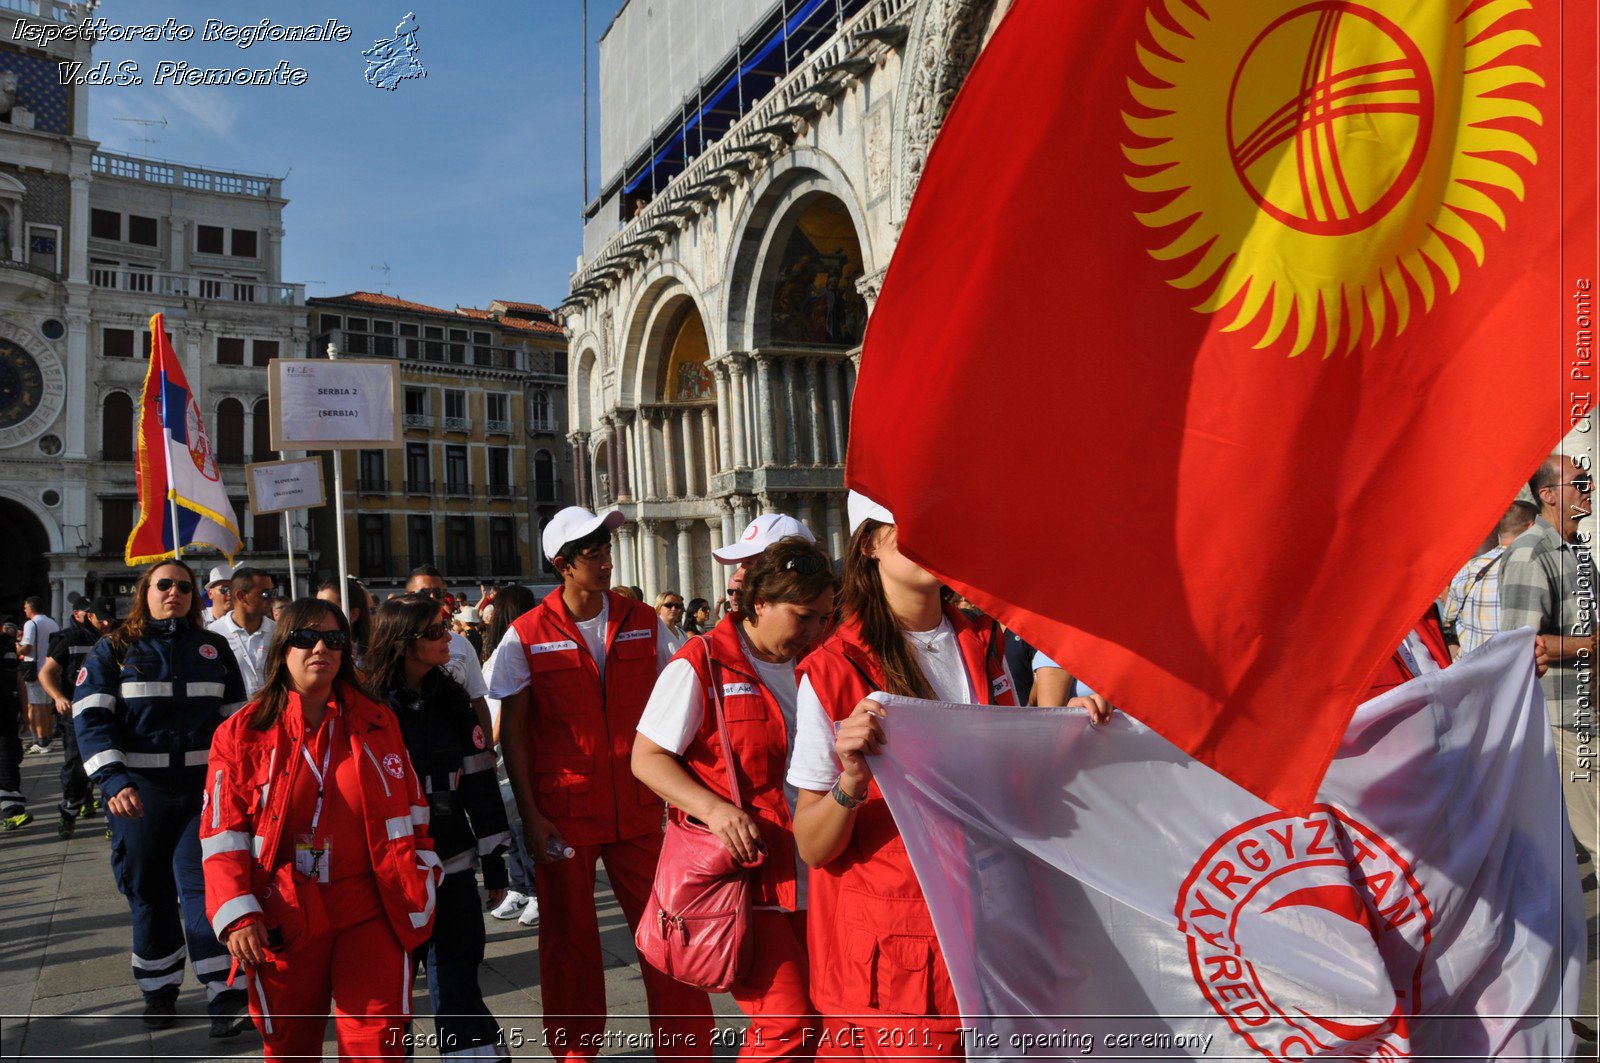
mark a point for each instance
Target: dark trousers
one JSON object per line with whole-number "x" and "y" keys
{"x": 11, "y": 800}
{"x": 452, "y": 956}
{"x": 156, "y": 860}
{"x": 74, "y": 783}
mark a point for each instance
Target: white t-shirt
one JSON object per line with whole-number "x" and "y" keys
{"x": 463, "y": 666}
{"x": 676, "y": 709}
{"x": 508, "y": 664}
{"x": 36, "y": 633}
{"x": 813, "y": 765}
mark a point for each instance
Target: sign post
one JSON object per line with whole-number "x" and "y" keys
{"x": 340, "y": 404}
{"x": 282, "y": 486}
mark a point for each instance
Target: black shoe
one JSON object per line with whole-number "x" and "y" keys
{"x": 233, "y": 1017}
{"x": 160, "y": 1012}
{"x": 87, "y": 811}
{"x": 67, "y": 826}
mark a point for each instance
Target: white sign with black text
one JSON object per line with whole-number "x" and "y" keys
{"x": 276, "y": 486}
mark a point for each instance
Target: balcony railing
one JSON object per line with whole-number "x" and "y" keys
{"x": 497, "y": 427}
{"x": 368, "y": 486}
{"x": 419, "y": 487}
{"x": 500, "y": 490}
{"x": 177, "y": 174}
{"x": 541, "y": 424}
{"x": 457, "y": 489}
{"x": 419, "y": 420}
{"x": 27, "y": 267}
{"x": 458, "y": 424}
{"x": 190, "y": 285}
{"x": 376, "y": 567}
{"x": 368, "y": 344}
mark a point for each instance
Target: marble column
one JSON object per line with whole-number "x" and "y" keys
{"x": 816, "y": 412}
{"x": 714, "y": 531}
{"x": 624, "y": 557}
{"x": 669, "y": 455}
{"x": 78, "y": 388}
{"x": 651, "y": 580}
{"x": 691, "y": 479}
{"x": 838, "y": 526}
{"x": 730, "y": 526}
{"x": 578, "y": 451}
{"x": 708, "y": 446}
{"x": 836, "y": 411}
{"x": 724, "y": 419}
{"x": 741, "y": 512}
{"x": 791, "y": 409}
{"x": 647, "y": 444}
{"x": 738, "y": 395}
{"x": 612, "y": 477}
{"x": 685, "y": 585}
{"x": 766, "y": 427}
{"x": 624, "y": 439}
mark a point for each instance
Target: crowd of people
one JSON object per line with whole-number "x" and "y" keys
{"x": 311, "y": 802}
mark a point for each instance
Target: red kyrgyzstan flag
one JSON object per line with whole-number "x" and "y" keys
{"x": 1221, "y": 331}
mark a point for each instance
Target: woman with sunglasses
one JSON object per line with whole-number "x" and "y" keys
{"x": 877, "y": 974}
{"x": 699, "y": 620}
{"x": 148, "y": 699}
{"x": 406, "y": 666}
{"x": 320, "y": 875}
{"x": 747, "y": 664}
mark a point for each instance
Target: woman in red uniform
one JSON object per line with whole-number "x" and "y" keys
{"x": 747, "y": 661}
{"x": 320, "y": 876}
{"x": 877, "y": 975}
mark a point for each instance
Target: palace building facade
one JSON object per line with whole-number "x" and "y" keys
{"x": 756, "y": 167}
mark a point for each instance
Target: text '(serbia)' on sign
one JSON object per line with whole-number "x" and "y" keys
{"x": 334, "y": 405}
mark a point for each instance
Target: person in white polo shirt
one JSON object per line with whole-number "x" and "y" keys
{"x": 248, "y": 628}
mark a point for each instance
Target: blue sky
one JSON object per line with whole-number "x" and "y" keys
{"x": 468, "y": 183}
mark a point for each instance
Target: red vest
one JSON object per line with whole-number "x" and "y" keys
{"x": 582, "y": 730}
{"x": 760, "y": 750}
{"x": 869, "y": 933}
{"x": 1393, "y": 672}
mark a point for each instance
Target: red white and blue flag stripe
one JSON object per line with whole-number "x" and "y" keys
{"x": 182, "y": 501}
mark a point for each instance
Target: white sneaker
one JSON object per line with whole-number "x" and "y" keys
{"x": 508, "y": 908}
{"x": 530, "y": 914}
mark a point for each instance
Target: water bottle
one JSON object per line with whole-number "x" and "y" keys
{"x": 556, "y": 849}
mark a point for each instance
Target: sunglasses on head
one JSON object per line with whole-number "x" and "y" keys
{"x": 184, "y": 586}
{"x": 805, "y": 564}
{"x": 305, "y": 638}
{"x": 432, "y": 633}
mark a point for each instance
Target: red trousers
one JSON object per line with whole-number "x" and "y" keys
{"x": 882, "y": 1036}
{"x": 775, "y": 990}
{"x": 362, "y": 970}
{"x": 572, "y": 972}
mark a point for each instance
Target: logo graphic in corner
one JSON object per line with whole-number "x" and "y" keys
{"x": 208, "y": 652}
{"x": 477, "y": 737}
{"x": 200, "y": 452}
{"x": 392, "y": 765}
{"x": 1324, "y": 875}
{"x": 1324, "y": 171}
{"x": 392, "y": 61}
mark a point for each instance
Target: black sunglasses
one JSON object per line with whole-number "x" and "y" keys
{"x": 429, "y": 592}
{"x": 305, "y": 638}
{"x": 672, "y": 605}
{"x": 184, "y": 586}
{"x": 805, "y": 564}
{"x": 433, "y": 633}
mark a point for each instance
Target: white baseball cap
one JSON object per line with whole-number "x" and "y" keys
{"x": 574, "y": 522}
{"x": 760, "y": 534}
{"x": 863, "y": 508}
{"x": 220, "y": 574}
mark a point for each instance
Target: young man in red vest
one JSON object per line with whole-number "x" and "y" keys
{"x": 573, "y": 675}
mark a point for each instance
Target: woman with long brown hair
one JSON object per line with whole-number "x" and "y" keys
{"x": 746, "y": 664}
{"x": 149, "y": 699}
{"x": 320, "y": 874}
{"x": 406, "y": 667}
{"x": 877, "y": 975}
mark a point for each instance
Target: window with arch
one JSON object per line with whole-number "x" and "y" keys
{"x": 230, "y": 431}
{"x": 539, "y": 411}
{"x": 544, "y": 476}
{"x": 814, "y": 299}
{"x": 116, "y": 427}
{"x": 261, "y": 432}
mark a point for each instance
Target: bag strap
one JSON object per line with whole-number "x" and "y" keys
{"x": 722, "y": 723}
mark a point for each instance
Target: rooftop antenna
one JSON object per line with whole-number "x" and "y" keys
{"x": 385, "y": 270}
{"x": 146, "y": 136}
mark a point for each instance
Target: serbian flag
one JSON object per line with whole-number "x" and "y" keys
{"x": 1261, "y": 310}
{"x": 177, "y": 471}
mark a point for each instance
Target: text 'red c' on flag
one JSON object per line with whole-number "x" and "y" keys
{"x": 182, "y": 501}
{"x": 1219, "y": 333}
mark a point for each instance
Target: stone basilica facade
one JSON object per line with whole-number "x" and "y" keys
{"x": 733, "y": 256}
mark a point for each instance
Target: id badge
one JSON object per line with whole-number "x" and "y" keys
{"x": 310, "y": 861}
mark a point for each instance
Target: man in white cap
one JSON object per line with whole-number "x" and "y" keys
{"x": 758, "y": 535}
{"x": 573, "y": 675}
{"x": 220, "y": 586}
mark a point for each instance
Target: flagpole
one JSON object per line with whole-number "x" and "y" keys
{"x": 288, "y": 543}
{"x": 158, "y": 326}
{"x": 338, "y": 510}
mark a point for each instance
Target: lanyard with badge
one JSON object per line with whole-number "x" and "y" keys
{"x": 311, "y": 859}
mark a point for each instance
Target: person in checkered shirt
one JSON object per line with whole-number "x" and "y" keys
{"x": 1472, "y": 601}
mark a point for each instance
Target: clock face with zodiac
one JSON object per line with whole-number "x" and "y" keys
{"x": 21, "y": 385}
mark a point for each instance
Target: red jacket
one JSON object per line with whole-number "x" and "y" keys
{"x": 871, "y": 937}
{"x": 760, "y": 743}
{"x": 248, "y": 782}
{"x": 582, "y": 730}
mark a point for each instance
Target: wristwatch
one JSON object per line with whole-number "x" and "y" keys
{"x": 844, "y": 799}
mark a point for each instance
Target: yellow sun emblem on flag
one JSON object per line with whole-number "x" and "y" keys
{"x": 1328, "y": 162}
